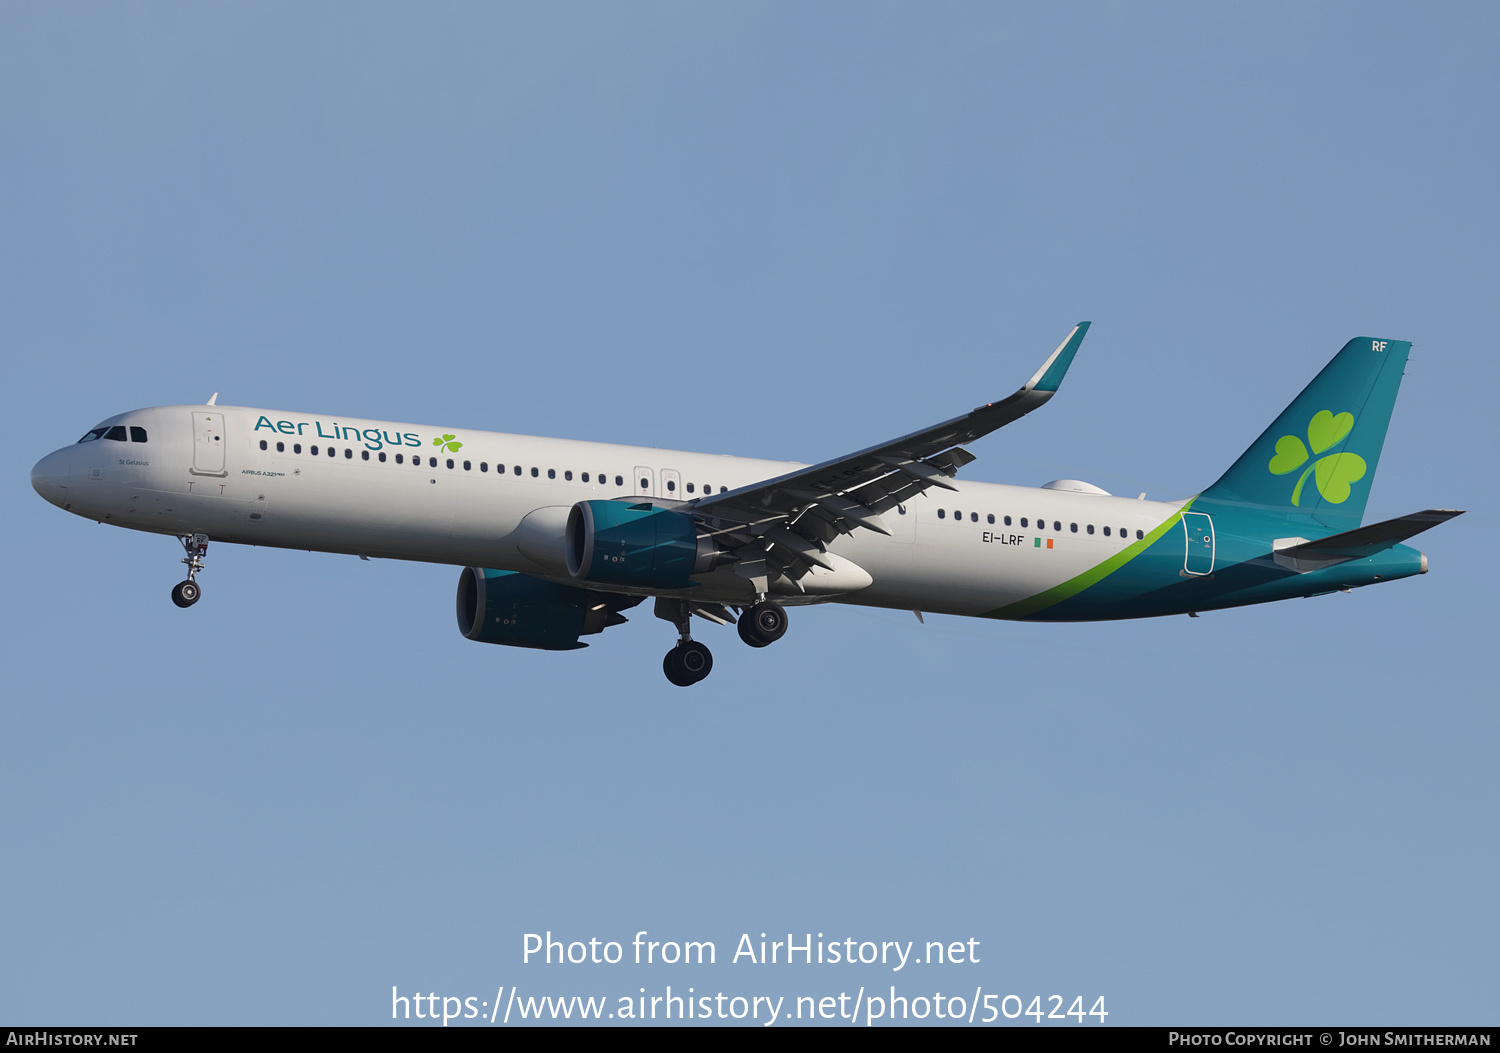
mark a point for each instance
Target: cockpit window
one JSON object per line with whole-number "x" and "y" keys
{"x": 117, "y": 433}
{"x": 137, "y": 434}
{"x": 97, "y": 433}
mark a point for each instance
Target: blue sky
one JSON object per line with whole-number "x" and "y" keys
{"x": 773, "y": 230}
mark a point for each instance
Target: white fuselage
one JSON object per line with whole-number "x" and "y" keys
{"x": 487, "y": 499}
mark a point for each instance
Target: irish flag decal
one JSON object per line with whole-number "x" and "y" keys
{"x": 1039, "y": 543}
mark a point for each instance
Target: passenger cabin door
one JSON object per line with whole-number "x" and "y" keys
{"x": 644, "y": 482}
{"x": 671, "y": 484}
{"x": 208, "y": 444}
{"x": 1199, "y": 527}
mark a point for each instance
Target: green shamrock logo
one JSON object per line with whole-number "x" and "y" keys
{"x": 453, "y": 446}
{"x": 1331, "y": 474}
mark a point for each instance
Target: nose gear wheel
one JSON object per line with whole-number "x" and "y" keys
{"x": 186, "y": 593}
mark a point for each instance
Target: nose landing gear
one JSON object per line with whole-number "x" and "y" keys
{"x": 186, "y": 593}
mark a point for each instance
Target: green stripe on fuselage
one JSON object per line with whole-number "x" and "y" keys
{"x": 1073, "y": 586}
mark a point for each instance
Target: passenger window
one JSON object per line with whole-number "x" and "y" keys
{"x": 1073, "y": 527}
{"x": 399, "y": 460}
{"x": 901, "y": 509}
{"x": 551, "y": 473}
{"x": 1058, "y": 526}
{"x": 450, "y": 462}
{"x": 690, "y": 487}
{"x": 645, "y": 484}
{"x": 281, "y": 448}
{"x": 568, "y": 476}
{"x": 942, "y": 514}
{"x": 117, "y": 433}
{"x": 992, "y": 519}
{"x": 139, "y": 434}
{"x": 296, "y": 447}
{"x": 671, "y": 486}
{"x": 1007, "y": 521}
{"x": 382, "y": 456}
{"x": 1091, "y": 528}
{"x": 957, "y": 514}
{"x": 484, "y": 466}
{"x": 585, "y": 476}
{"x": 467, "y": 466}
{"x": 364, "y": 455}
{"x": 1023, "y": 521}
{"x": 974, "y": 517}
{"x": 432, "y": 462}
{"x": 1106, "y": 531}
{"x": 313, "y": 450}
{"x": 348, "y": 455}
{"x": 619, "y": 480}
{"x": 334, "y": 453}
{"x": 518, "y": 469}
{"x": 1140, "y": 535}
{"x": 723, "y": 489}
{"x": 263, "y": 444}
{"x": 97, "y": 433}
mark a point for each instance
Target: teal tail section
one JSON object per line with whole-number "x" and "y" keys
{"x": 1313, "y": 467}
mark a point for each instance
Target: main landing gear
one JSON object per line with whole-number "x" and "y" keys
{"x": 687, "y": 663}
{"x": 690, "y": 661}
{"x": 186, "y": 593}
{"x": 763, "y": 624}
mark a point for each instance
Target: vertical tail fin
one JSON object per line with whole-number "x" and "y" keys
{"x": 1318, "y": 459}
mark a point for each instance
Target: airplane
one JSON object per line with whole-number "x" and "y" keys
{"x": 557, "y": 537}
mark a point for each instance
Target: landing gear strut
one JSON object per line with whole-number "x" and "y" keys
{"x": 763, "y": 624}
{"x": 690, "y": 661}
{"x": 186, "y": 593}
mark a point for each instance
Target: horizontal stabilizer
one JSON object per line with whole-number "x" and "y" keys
{"x": 1359, "y": 543}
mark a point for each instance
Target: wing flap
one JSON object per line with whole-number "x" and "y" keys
{"x": 782, "y": 525}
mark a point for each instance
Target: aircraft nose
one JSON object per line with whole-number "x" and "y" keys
{"x": 49, "y": 477}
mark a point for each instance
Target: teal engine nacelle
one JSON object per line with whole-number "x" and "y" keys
{"x": 503, "y": 607}
{"x": 636, "y": 544}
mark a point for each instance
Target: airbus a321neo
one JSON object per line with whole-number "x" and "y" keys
{"x": 558, "y": 537}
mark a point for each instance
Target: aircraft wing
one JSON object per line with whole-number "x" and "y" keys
{"x": 784, "y": 524}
